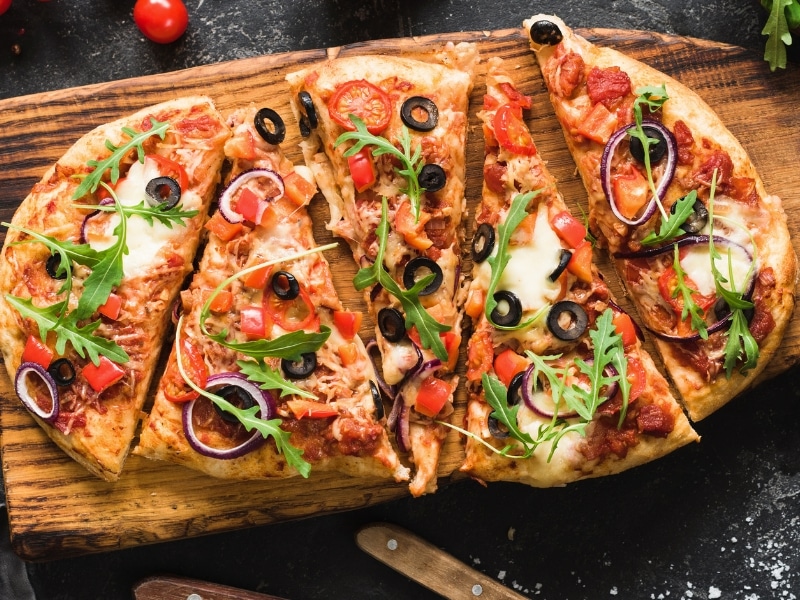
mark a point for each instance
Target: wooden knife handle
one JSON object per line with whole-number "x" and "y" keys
{"x": 428, "y": 565}
{"x": 167, "y": 587}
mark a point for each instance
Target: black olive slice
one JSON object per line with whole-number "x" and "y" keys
{"x": 482, "y": 242}
{"x": 51, "y": 266}
{"x": 578, "y": 320}
{"x": 305, "y": 127}
{"x": 308, "y": 107}
{"x": 62, "y": 371}
{"x": 392, "y": 324}
{"x": 722, "y": 310}
{"x": 285, "y": 285}
{"x": 417, "y": 104}
{"x": 237, "y": 396}
{"x": 698, "y": 219}
{"x": 514, "y": 395}
{"x": 300, "y": 369}
{"x": 508, "y": 311}
{"x": 163, "y": 191}
{"x": 563, "y": 260}
{"x": 497, "y": 430}
{"x": 278, "y": 133}
{"x": 657, "y": 150}
{"x": 377, "y": 400}
{"x": 432, "y": 178}
{"x": 422, "y": 262}
{"x": 546, "y": 33}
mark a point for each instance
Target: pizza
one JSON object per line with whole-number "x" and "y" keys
{"x": 92, "y": 261}
{"x": 385, "y": 138}
{"x": 701, "y": 247}
{"x": 267, "y": 377}
{"x": 559, "y": 385}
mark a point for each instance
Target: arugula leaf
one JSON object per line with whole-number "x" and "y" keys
{"x": 777, "y": 30}
{"x": 67, "y": 330}
{"x": 671, "y": 228}
{"x": 289, "y": 346}
{"x": 498, "y": 261}
{"x": 271, "y": 379}
{"x": 82, "y": 254}
{"x": 416, "y": 315}
{"x": 411, "y": 161}
{"x": 690, "y": 307}
{"x": 162, "y": 214}
{"x": 654, "y": 98}
{"x": 92, "y": 180}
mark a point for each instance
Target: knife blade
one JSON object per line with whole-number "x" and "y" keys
{"x": 169, "y": 587}
{"x": 428, "y": 565}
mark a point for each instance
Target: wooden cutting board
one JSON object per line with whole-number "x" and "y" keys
{"x": 57, "y": 509}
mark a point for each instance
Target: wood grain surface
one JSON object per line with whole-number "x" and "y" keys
{"x": 57, "y": 509}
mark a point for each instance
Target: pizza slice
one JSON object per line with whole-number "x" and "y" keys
{"x": 559, "y": 386}
{"x": 267, "y": 377}
{"x": 702, "y": 248}
{"x": 385, "y": 139}
{"x": 92, "y": 262}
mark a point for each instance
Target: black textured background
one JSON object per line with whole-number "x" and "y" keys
{"x": 720, "y": 519}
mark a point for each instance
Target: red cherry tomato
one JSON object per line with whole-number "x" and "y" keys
{"x": 511, "y": 131}
{"x": 364, "y": 100}
{"x": 161, "y": 21}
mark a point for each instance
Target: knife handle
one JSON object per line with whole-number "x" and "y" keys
{"x": 428, "y": 565}
{"x": 168, "y": 587}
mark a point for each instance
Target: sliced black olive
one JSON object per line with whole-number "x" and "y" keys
{"x": 51, "y": 266}
{"x": 578, "y": 321}
{"x": 483, "y": 242}
{"x": 432, "y": 178}
{"x": 508, "y": 311}
{"x": 546, "y": 33}
{"x": 392, "y": 324}
{"x": 300, "y": 369}
{"x": 62, "y": 371}
{"x": 163, "y": 191}
{"x": 497, "y": 429}
{"x": 698, "y": 219}
{"x": 422, "y": 262}
{"x": 417, "y": 104}
{"x": 305, "y": 128}
{"x": 278, "y": 134}
{"x": 563, "y": 260}
{"x": 722, "y": 310}
{"x": 308, "y": 107}
{"x": 377, "y": 400}
{"x": 514, "y": 395}
{"x": 236, "y": 396}
{"x": 657, "y": 149}
{"x": 285, "y": 285}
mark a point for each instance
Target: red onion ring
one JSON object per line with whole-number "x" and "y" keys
{"x": 94, "y": 213}
{"x": 226, "y": 198}
{"x": 21, "y": 387}
{"x": 264, "y": 400}
{"x": 403, "y": 430}
{"x": 669, "y": 171}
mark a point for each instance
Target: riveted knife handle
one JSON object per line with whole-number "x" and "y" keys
{"x": 428, "y": 565}
{"x": 167, "y": 587}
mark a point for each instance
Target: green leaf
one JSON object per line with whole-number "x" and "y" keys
{"x": 777, "y": 31}
{"x": 289, "y": 346}
{"x": 162, "y": 214}
{"x": 690, "y": 307}
{"x": 270, "y": 379}
{"x": 495, "y": 394}
{"x": 654, "y": 98}
{"x": 671, "y": 228}
{"x": 82, "y": 339}
{"x": 137, "y": 139}
{"x": 415, "y": 314}
{"x": 82, "y": 254}
{"x": 498, "y": 261}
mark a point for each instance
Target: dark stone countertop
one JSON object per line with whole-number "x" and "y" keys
{"x": 719, "y": 519}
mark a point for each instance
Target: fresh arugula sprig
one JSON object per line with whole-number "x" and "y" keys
{"x": 247, "y": 417}
{"x": 671, "y": 228}
{"x": 690, "y": 307}
{"x": 654, "y": 98}
{"x": 499, "y": 260}
{"x": 409, "y": 158}
{"x": 91, "y": 181}
{"x": 162, "y": 214}
{"x": 416, "y": 315}
{"x": 259, "y": 371}
{"x": 783, "y": 16}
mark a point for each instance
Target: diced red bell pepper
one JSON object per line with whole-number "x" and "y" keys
{"x": 362, "y": 169}
{"x": 309, "y": 408}
{"x": 580, "y": 264}
{"x": 433, "y": 395}
{"x": 599, "y": 124}
{"x": 224, "y": 230}
{"x": 631, "y": 191}
{"x": 222, "y": 302}
{"x": 348, "y": 353}
{"x": 298, "y": 189}
{"x": 253, "y": 321}
{"x": 625, "y": 328}
{"x": 103, "y": 375}
{"x": 257, "y": 279}
{"x": 247, "y": 204}
{"x": 112, "y": 307}
{"x": 37, "y": 352}
{"x": 348, "y": 323}
{"x": 568, "y": 228}
{"x": 507, "y": 364}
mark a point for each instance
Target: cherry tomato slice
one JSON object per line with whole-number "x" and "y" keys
{"x": 172, "y": 169}
{"x": 161, "y": 21}
{"x": 511, "y": 131}
{"x": 291, "y": 315}
{"x": 175, "y": 388}
{"x": 364, "y": 100}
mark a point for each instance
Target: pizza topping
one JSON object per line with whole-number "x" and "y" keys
{"x": 511, "y": 132}
{"x": 687, "y": 215}
{"x": 265, "y": 184}
{"x": 507, "y": 311}
{"x": 380, "y": 412}
{"x": 285, "y": 285}
{"x": 391, "y": 324}
{"x": 163, "y": 192}
{"x": 545, "y": 33}
{"x": 482, "y": 242}
{"x": 607, "y": 86}
{"x": 567, "y": 320}
{"x": 420, "y": 113}
{"x": 278, "y": 132}
{"x": 300, "y": 369}
{"x": 36, "y": 351}
{"x": 311, "y": 120}
{"x": 426, "y": 264}
{"x": 657, "y": 146}
{"x": 432, "y": 178}
{"x": 54, "y": 267}
{"x": 362, "y": 170}
{"x": 361, "y": 99}
{"x": 62, "y": 371}
{"x": 31, "y": 393}
{"x": 102, "y": 375}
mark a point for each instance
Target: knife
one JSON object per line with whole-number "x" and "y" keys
{"x": 168, "y": 587}
{"x": 428, "y": 565}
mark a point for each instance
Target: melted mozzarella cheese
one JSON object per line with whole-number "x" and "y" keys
{"x": 697, "y": 266}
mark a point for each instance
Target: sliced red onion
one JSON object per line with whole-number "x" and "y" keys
{"x": 94, "y": 213}
{"x": 263, "y": 398}
{"x": 389, "y": 390}
{"x": 27, "y": 369}
{"x": 669, "y": 170}
{"x": 394, "y": 414}
{"x": 403, "y": 430}
{"x": 226, "y": 198}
